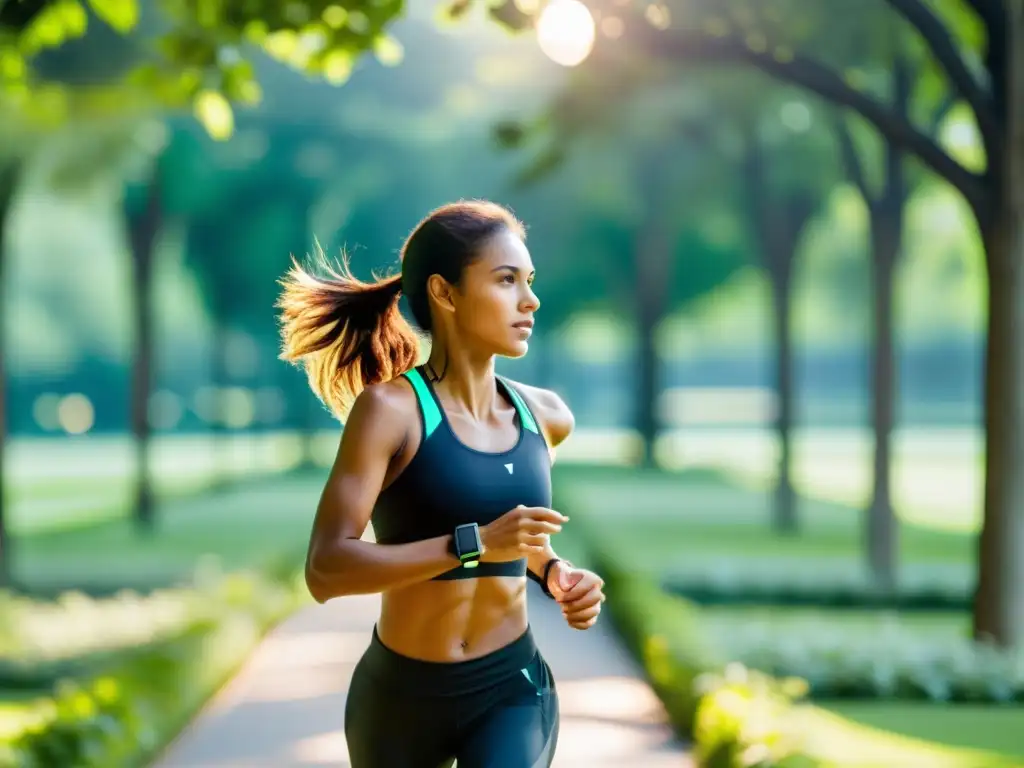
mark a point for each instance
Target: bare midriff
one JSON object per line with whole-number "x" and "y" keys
{"x": 454, "y": 620}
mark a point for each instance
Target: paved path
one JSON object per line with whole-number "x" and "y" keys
{"x": 285, "y": 708}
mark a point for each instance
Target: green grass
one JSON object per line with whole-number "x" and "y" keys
{"x": 838, "y": 742}
{"x": 252, "y": 525}
{"x": 666, "y": 519}
{"x": 964, "y": 725}
{"x": 59, "y": 483}
{"x": 829, "y": 463}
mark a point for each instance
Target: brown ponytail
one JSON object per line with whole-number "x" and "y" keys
{"x": 346, "y": 333}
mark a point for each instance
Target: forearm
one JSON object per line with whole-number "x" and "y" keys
{"x": 356, "y": 567}
{"x": 537, "y": 562}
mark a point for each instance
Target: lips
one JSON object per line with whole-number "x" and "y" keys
{"x": 527, "y": 324}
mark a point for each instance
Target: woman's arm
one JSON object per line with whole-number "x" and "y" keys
{"x": 338, "y": 562}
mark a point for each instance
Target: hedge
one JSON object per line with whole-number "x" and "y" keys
{"x": 821, "y": 583}
{"x": 735, "y": 716}
{"x": 120, "y": 707}
{"x": 878, "y": 659}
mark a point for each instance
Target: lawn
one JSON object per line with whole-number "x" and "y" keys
{"x": 668, "y": 520}
{"x": 56, "y": 483}
{"x": 253, "y": 524}
{"x": 937, "y": 472}
{"x": 973, "y": 726}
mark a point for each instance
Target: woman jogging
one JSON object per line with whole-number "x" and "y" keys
{"x": 452, "y": 465}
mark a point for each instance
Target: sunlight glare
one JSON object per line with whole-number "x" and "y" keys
{"x": 565, "y": 32}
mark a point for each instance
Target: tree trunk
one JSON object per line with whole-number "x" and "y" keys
{"x": 784, "y": 516}
{"x": 143, "y": 230}
{"x": 9, "y": 175}
{"x": 221, "y": 465}
{"x": 653, "y": 273}
{"x": 999, "y": 601}
{"x": 881, "y": 528}
{"x": 777, "y": 220}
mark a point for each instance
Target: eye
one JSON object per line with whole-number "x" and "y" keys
{"x": 508, "y": 278}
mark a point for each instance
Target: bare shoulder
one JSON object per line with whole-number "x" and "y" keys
{"x": 550, "y": 410}
{"x": 389, "y": 401}
{"x": 383, "y": 411}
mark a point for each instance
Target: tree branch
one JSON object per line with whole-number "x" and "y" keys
{"x": 991, "y": 12}
{"x": 851, "y": 160}
{"x": 805, "y": 72}
{"x": 944, "y": 49}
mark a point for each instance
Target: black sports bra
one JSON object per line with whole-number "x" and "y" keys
{"x": 447, "y": 483}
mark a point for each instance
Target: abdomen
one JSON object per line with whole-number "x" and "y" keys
{"x": 453, "y": 620}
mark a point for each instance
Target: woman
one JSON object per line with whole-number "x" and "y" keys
{"x": 452, "y": 464}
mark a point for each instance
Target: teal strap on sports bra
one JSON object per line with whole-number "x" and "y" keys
{"x": 431, "y": 410}
{"x": 524, "y": 412}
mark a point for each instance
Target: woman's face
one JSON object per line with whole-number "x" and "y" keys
{"x": 494, "y": 302}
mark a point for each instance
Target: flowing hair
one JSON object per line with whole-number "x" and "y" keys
{"x": 346, "y": 333}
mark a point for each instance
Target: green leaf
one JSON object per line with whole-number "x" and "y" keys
{"x": 215, "y": 114}
{"x": 281, "y": 45}
{"x": 337, "y": 66}
{"x": 238, "y": 82}
{"x": 388, "y": 50}
{"x": 76, "y": 20}
{"x": 335, "y": 16}
{"x": 121, "y": 15}
{"x": 452, "y": 11}
{"x": 12, "y": 65}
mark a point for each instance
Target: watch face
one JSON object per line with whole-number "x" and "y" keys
{"x": 467, "y": 541}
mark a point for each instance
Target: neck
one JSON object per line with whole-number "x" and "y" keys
{"x": 468, "y": 378}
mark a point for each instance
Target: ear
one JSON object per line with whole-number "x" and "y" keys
{"x": 440, "y": 290}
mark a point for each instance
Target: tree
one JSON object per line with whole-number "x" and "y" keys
{"x": 144, "y": 209}
{"x": 774, "y": 175}
{"x": 808, "y": 46}
{"x": 886, "y": 202}
{"x": 8, "y": 184}
{"x": 651, "y": 210}
{"x": 199, "y": 56}
{"x": 778, "y": 214}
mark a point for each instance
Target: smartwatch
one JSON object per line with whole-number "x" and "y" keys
{"x": 466, "y": 545}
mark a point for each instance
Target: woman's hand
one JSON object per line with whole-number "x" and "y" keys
{"x": 519, "y": 533}
{"x": 579, "y": 592}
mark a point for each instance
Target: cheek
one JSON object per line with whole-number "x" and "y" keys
{"x": 488, "y": 305}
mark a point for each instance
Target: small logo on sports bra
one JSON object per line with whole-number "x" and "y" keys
{"x": 509, "y": 468}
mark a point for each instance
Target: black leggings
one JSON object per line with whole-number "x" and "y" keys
{"x": 498, "y": 711}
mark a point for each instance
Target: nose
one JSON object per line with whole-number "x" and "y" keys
{"x": 530, "y": 302}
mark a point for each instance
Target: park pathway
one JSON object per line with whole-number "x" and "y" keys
{"x": 285, "y": 707}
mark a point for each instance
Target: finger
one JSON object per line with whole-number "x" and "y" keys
{"x": 582, "y": 589}
{"x": 593, "y": 597}
{"x": 534, "y": 540}
{"x": 540, "y": 526}
{"x": 542, "y": 513}
{"x": 529, "y": 548}
{"x": 584, "y": 614}
{"x": 585, "y": 625}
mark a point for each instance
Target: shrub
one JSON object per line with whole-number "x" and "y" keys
{"x": 124, "y": 704}
{"x": 817, "y": 583}
{"x": 877, "y": 659}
